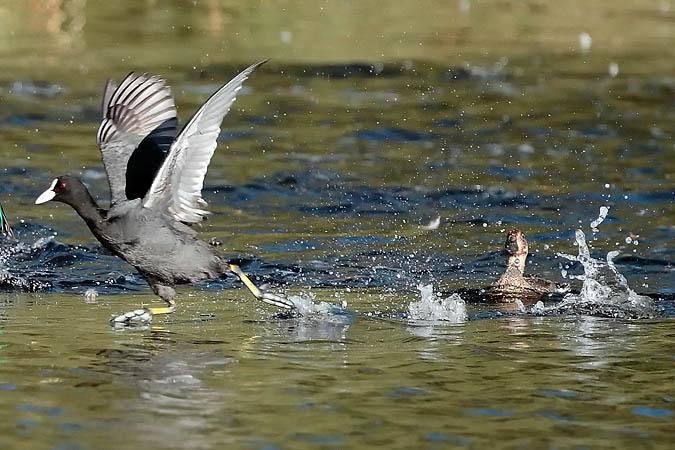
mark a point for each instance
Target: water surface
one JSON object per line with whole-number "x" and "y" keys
{"x": 367, "y": 123}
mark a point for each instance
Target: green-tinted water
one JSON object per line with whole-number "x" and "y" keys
{"x": 68, "y": 382}
{"x": 488, "y": 114}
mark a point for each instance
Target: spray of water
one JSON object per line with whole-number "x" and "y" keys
{"x": 605, "y": 290}
{"x": 13, "y": 251}
{"x": 307, "y": 307}
{"x": 434, "y": 308}
{"x": 601, "y": 218}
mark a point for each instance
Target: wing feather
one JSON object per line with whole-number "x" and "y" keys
{"x": 178, "y": 185}
{"x": 131, "y": 111}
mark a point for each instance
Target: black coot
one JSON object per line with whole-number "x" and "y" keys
{"x": 156, "y": 176}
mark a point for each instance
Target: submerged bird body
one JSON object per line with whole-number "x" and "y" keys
{"x": 156, "y": 176}
{"x": 514, "y": 284}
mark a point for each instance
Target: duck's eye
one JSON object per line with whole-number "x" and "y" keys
{"x": 62, "y": 185}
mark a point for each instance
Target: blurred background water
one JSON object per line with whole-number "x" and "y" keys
{"x": 371, "y": 120}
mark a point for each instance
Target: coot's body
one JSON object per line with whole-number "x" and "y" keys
{"x": 156, "y": 176}
{"x": 169, "y": 252}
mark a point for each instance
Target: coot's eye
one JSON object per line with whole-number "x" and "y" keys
{"x": 62, "y": 185}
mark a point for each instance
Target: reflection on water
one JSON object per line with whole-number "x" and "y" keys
{"x": 596, "y": 340}
{"x": 234, "y": 380}
{"x": 171, "y": 387}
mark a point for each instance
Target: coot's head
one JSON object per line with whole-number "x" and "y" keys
{"x": 516, "y": 243}
{"x": 65, "y": 189}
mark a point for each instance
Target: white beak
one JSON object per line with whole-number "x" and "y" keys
{"x": 48, "y": 194}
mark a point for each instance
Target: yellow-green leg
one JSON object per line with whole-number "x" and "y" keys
{"x": 278, "y": 300}
{"x": 164, "y": 309}
{"x": 167, "y": 293}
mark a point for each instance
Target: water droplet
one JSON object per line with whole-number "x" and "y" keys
{"x": 613, "y": 69}
{"x": 585, "y": 42}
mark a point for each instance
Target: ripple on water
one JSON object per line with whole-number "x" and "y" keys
{"x": 488, "y": 412}
{"x": 557, "y": 393}
{"x": 652, "y": 412}
{"x": 442, "y": 437}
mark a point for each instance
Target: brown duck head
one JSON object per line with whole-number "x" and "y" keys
{"x": 516, "y": 247}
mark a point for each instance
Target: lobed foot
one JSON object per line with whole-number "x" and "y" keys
{"x": 143, "y": 316}
{"x": 262, "y": 294}
{"x": 278, "y": 300}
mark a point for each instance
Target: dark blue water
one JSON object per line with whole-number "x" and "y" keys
{"x": 343, "y": 204}
{"x": 354, "y": 255}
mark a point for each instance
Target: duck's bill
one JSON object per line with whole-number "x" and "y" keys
{"x": 47, "y": 195}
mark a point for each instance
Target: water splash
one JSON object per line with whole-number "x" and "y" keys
{"x": 432, "y": 307}
{"x": 312, "y": 321}
{"x": 585, "y": 42}
{"x": 601, "y": 218}
{"x": 605, "y": 290}
{"x": 613, "y": 69}
{"x": 34, "y": 260}
{"x": 538, "y": 308}
{"x": 15, "y": 263}
{"x": 306, "y": 306}
{"x": 433, "y": 224}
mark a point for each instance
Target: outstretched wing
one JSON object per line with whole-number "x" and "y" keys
{"x": 177, "y": 188}
{"x": 139, "y": 110}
